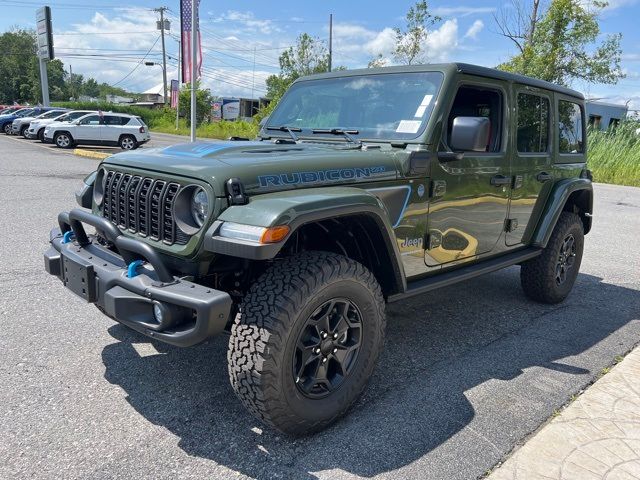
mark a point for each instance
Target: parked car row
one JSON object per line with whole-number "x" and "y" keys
{"x": 67, "y": 128}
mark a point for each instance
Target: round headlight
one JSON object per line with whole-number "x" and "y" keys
{"x": 199, "y": 206}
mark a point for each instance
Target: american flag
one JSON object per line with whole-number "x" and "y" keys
{"x": 175, "y": 91}
{"x": 186, "y": 28}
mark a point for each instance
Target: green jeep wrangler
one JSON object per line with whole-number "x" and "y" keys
{"x": 364, "y": 187}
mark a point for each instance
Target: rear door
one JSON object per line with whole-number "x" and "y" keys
{"x": 531, "y": 165}
{"x": 113, "y": 128}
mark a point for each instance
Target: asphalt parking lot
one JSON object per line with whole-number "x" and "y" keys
{"x": 468, "y": 371}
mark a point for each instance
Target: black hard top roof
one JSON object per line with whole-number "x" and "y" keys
{"x": 464, "y": 68}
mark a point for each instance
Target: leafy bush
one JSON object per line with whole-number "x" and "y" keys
{"x": 614, "y": 155}
{"x": 151, "y": 116}
{"x": 220, "y": 130}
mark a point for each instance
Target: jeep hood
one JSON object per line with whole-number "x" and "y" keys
{"x": 263, "y": 166}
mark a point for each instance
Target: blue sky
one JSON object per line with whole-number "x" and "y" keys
{"x": 107, "y": 39}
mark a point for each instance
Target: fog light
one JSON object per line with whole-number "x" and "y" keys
{"x": 158, "y": 312}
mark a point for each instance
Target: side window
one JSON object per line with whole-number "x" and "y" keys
{"x": 479, "y": 102}
{"x": 570, "y": 127}
{"x": 533, "y": 124}
{"x": 113, "y": 120}
{"x": 92, "y": 120}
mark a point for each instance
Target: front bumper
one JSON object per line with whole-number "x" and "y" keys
{"x": 192, "y": 312}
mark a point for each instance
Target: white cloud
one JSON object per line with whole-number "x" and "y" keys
{"x": 462, "y": 11}
{"x": 443, "y": 41}
{"x": 474, "y": 29}
{"x": 247, "y": 20}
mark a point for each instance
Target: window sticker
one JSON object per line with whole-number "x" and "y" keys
{"x": 423, "y": 106}
{"x": 408, "y": 126}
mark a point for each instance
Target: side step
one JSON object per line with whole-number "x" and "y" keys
{"x": 462, "y": 273}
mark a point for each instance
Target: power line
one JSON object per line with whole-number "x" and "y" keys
{"x": 136, "y": 67}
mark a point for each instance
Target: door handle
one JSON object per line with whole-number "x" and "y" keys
{"x": 544, "y": 176}
{"x": 498, "y": 180}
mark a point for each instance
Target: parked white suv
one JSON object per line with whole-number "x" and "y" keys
{"x": 20, "y": 125}
{"x": 37, "y": 126}
{"x": 112, "y": 129}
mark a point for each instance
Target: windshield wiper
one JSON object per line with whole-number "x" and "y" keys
{"x": 289, "y": 130}
{"x": 340, "y": 131}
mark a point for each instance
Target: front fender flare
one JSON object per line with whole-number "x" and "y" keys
{"x": 296, "y": 208}
{"x": 555, "y": 205}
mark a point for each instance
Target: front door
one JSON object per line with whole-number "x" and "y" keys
{"x": 531, "y": 163}
{"x": 88, "y": 130}
{"x": 469, "y": 196}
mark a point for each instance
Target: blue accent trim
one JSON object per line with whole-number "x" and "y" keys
{"x": 133, "y": 267}
{"x": 68, "y": 236}
{"x": 198, "y": 150}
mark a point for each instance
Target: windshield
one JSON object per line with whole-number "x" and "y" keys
{"x": 50, "y": 114}
{"x": 24, "y": 113}
{"x": 392, "y": 106}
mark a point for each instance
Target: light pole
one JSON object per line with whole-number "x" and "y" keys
{"x": 164, "y": 75}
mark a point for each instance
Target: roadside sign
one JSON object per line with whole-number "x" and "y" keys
{"x": 45, "y": 33}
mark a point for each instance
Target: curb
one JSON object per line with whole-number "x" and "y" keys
{"x": 90, "y": 154}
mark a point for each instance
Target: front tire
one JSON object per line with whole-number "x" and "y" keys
{"x": 549, "y": 277}
{"x": 63, "y": 140}
{"x": 6, "y": 128}
{"x": 306, "y": 341}
{"x": 23, "y": 131}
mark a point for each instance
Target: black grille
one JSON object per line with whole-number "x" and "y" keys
{"x": 142, "y": 205}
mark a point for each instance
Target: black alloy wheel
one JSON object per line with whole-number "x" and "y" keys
{"x": 327, "y": 348}
{"x": 566, "y": 259}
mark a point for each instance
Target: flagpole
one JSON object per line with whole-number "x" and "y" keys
{"x": 179, "y": 83}
{"x": 194, "y": 67}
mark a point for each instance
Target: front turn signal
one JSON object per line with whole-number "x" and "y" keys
{"x": 274, "y": 234}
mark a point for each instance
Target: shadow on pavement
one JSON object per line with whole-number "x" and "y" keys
{"x": 439, "y": 346}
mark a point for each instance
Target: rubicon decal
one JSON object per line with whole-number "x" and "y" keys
{"x": 333, "y": 175}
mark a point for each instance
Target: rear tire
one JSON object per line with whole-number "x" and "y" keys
{"x": 549, "y": 277}
{"x": 63, "y": 140}
{"x": 128, "y": 142}
{"x": 306, "y": 341}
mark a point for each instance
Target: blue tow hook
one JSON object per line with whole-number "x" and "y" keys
{"x": 132, "y": 268}
{"x": 68, "y": 236}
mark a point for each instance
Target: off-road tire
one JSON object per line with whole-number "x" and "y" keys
{"x": 264, "y": 336}
{"x": 538, "y": 275}
{"x": 58, "y": 138}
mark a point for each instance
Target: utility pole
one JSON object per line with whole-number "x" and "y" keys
{"x": 164, "y": 56}
{"x": 330, "y": 39}
{"x": 253, "y": 78}
{"x": 71, "y": 81}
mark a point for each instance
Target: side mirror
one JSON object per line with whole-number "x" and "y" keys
{"x": 470, "y": 134}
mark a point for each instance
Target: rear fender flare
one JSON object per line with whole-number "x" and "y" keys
{"x": 558, "y": 198}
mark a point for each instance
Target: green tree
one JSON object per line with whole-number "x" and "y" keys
{"x": 411, "y": 42}
{"x": 18, "y": 66}
{"x": 562, "y": 44}
{"x": 309, "y": 56}
{"x": 91, "y": 88}
{"x": 203, "y": 103}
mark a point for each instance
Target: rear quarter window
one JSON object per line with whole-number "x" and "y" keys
{"x": 570, "y": 128}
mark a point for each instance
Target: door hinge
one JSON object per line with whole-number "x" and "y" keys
{"x": 510, "y": 224}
